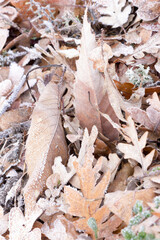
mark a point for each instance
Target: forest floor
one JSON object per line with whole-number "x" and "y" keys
{"x": 79, "y": 120}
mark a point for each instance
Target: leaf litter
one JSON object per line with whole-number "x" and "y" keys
{"x": 76, "y": 163}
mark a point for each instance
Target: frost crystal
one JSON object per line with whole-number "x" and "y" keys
{"x": 8, "y": 57}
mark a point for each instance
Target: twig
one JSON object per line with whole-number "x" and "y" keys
{"x": 8, "y": 102}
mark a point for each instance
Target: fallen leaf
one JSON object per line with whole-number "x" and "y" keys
{"x": 154, "y": 102}
{"x": 135, "y": 151}
{"x": 59, "y": 229}
{"x": 4, "y": 33}
{"x": 14, "y": 116}
{"x": 149, "y": 118}
{"x": 109, "y": 227}
{"x": 147, "y": 9}
{"x": 120, "y": 181}
{"x": 3, "y": 221}
{"x": 90, "y": 81}
{"x": 5, "y": 87}
{"x": 45, "y": 141}
{"x": 121, "y": 203}
{"x": 119, "y": 48}
{"x": 85, "y": 204}
{"x": 20, "y": 227}
{"x": 113, "y": 13}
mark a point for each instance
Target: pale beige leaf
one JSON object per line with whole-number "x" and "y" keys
{"x": 46, "y": 140}
{"x": 90, "y": 81}
{"x": 119, "y": 48}
{"x": 149, "y": 118}
{"x": 151, "y": 46}
{"x": 135, "y": 151}
{"x": 114, "y": 13}
{"x": 112, "y": 164}
{"x": 154, "y": 101}
{"x": 99, "y": 59}
{"x": 4, "y": 33}
{"x": 34, "y": 234}
{"x": 20, "y": 227}
{"x": 69, "y": 53}
{"x": 57, "y": 231}
{"x": 147, "y": 9}
{"x": 5, "y": 87}
{"x": 15, "y": 73}
{"x": 3, "y": 221}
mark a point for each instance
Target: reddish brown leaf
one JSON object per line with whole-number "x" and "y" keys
{"x": 90, "y": 81}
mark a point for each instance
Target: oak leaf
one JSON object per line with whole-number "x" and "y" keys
{"x": 21, "y": 227}
{"x": 134, "y": 150}
{"x": 114, "y": 13}
{"x": 45, "y": 141}
{"x": 85, "y": 204}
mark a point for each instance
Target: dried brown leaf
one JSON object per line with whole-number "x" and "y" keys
{"x": 46, "y": 140}
{"x": 89, "y": 80}
{"x": 149, "y": 118}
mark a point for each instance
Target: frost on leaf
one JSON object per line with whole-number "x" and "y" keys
{"x": 114, "y": 13}
{"x": 86, "y": 204}
{"x": 134, "y": 150}
{"x": 4, "y": 33}
{"x": 147, "y": 9}
{"x": 151, "y": 117}
{"x": 59, "y": 229}
{"x": 3, "y": 221}
{"x": 121, "y": 203}
{"x": 20, "y": 227}
{"x": 89, "y": 81}
{"x": 45, "y": 141}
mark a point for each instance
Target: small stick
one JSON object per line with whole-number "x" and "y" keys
{"x": 8, "y": 102}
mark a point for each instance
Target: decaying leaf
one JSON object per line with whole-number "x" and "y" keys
{"x": 147, "y": 9}
{"x": 135, "y": 151}
{"x": 85, "y": 204}
{"x": 154, "y": 101}
{"x": 149, "y": 118}
{"x": 90, "y": 82}
{"x": 114, "y": 13}
{"x": 45, "y": 141}
{"x": 109, "y": 227}
{"x": 121, "y": 203}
